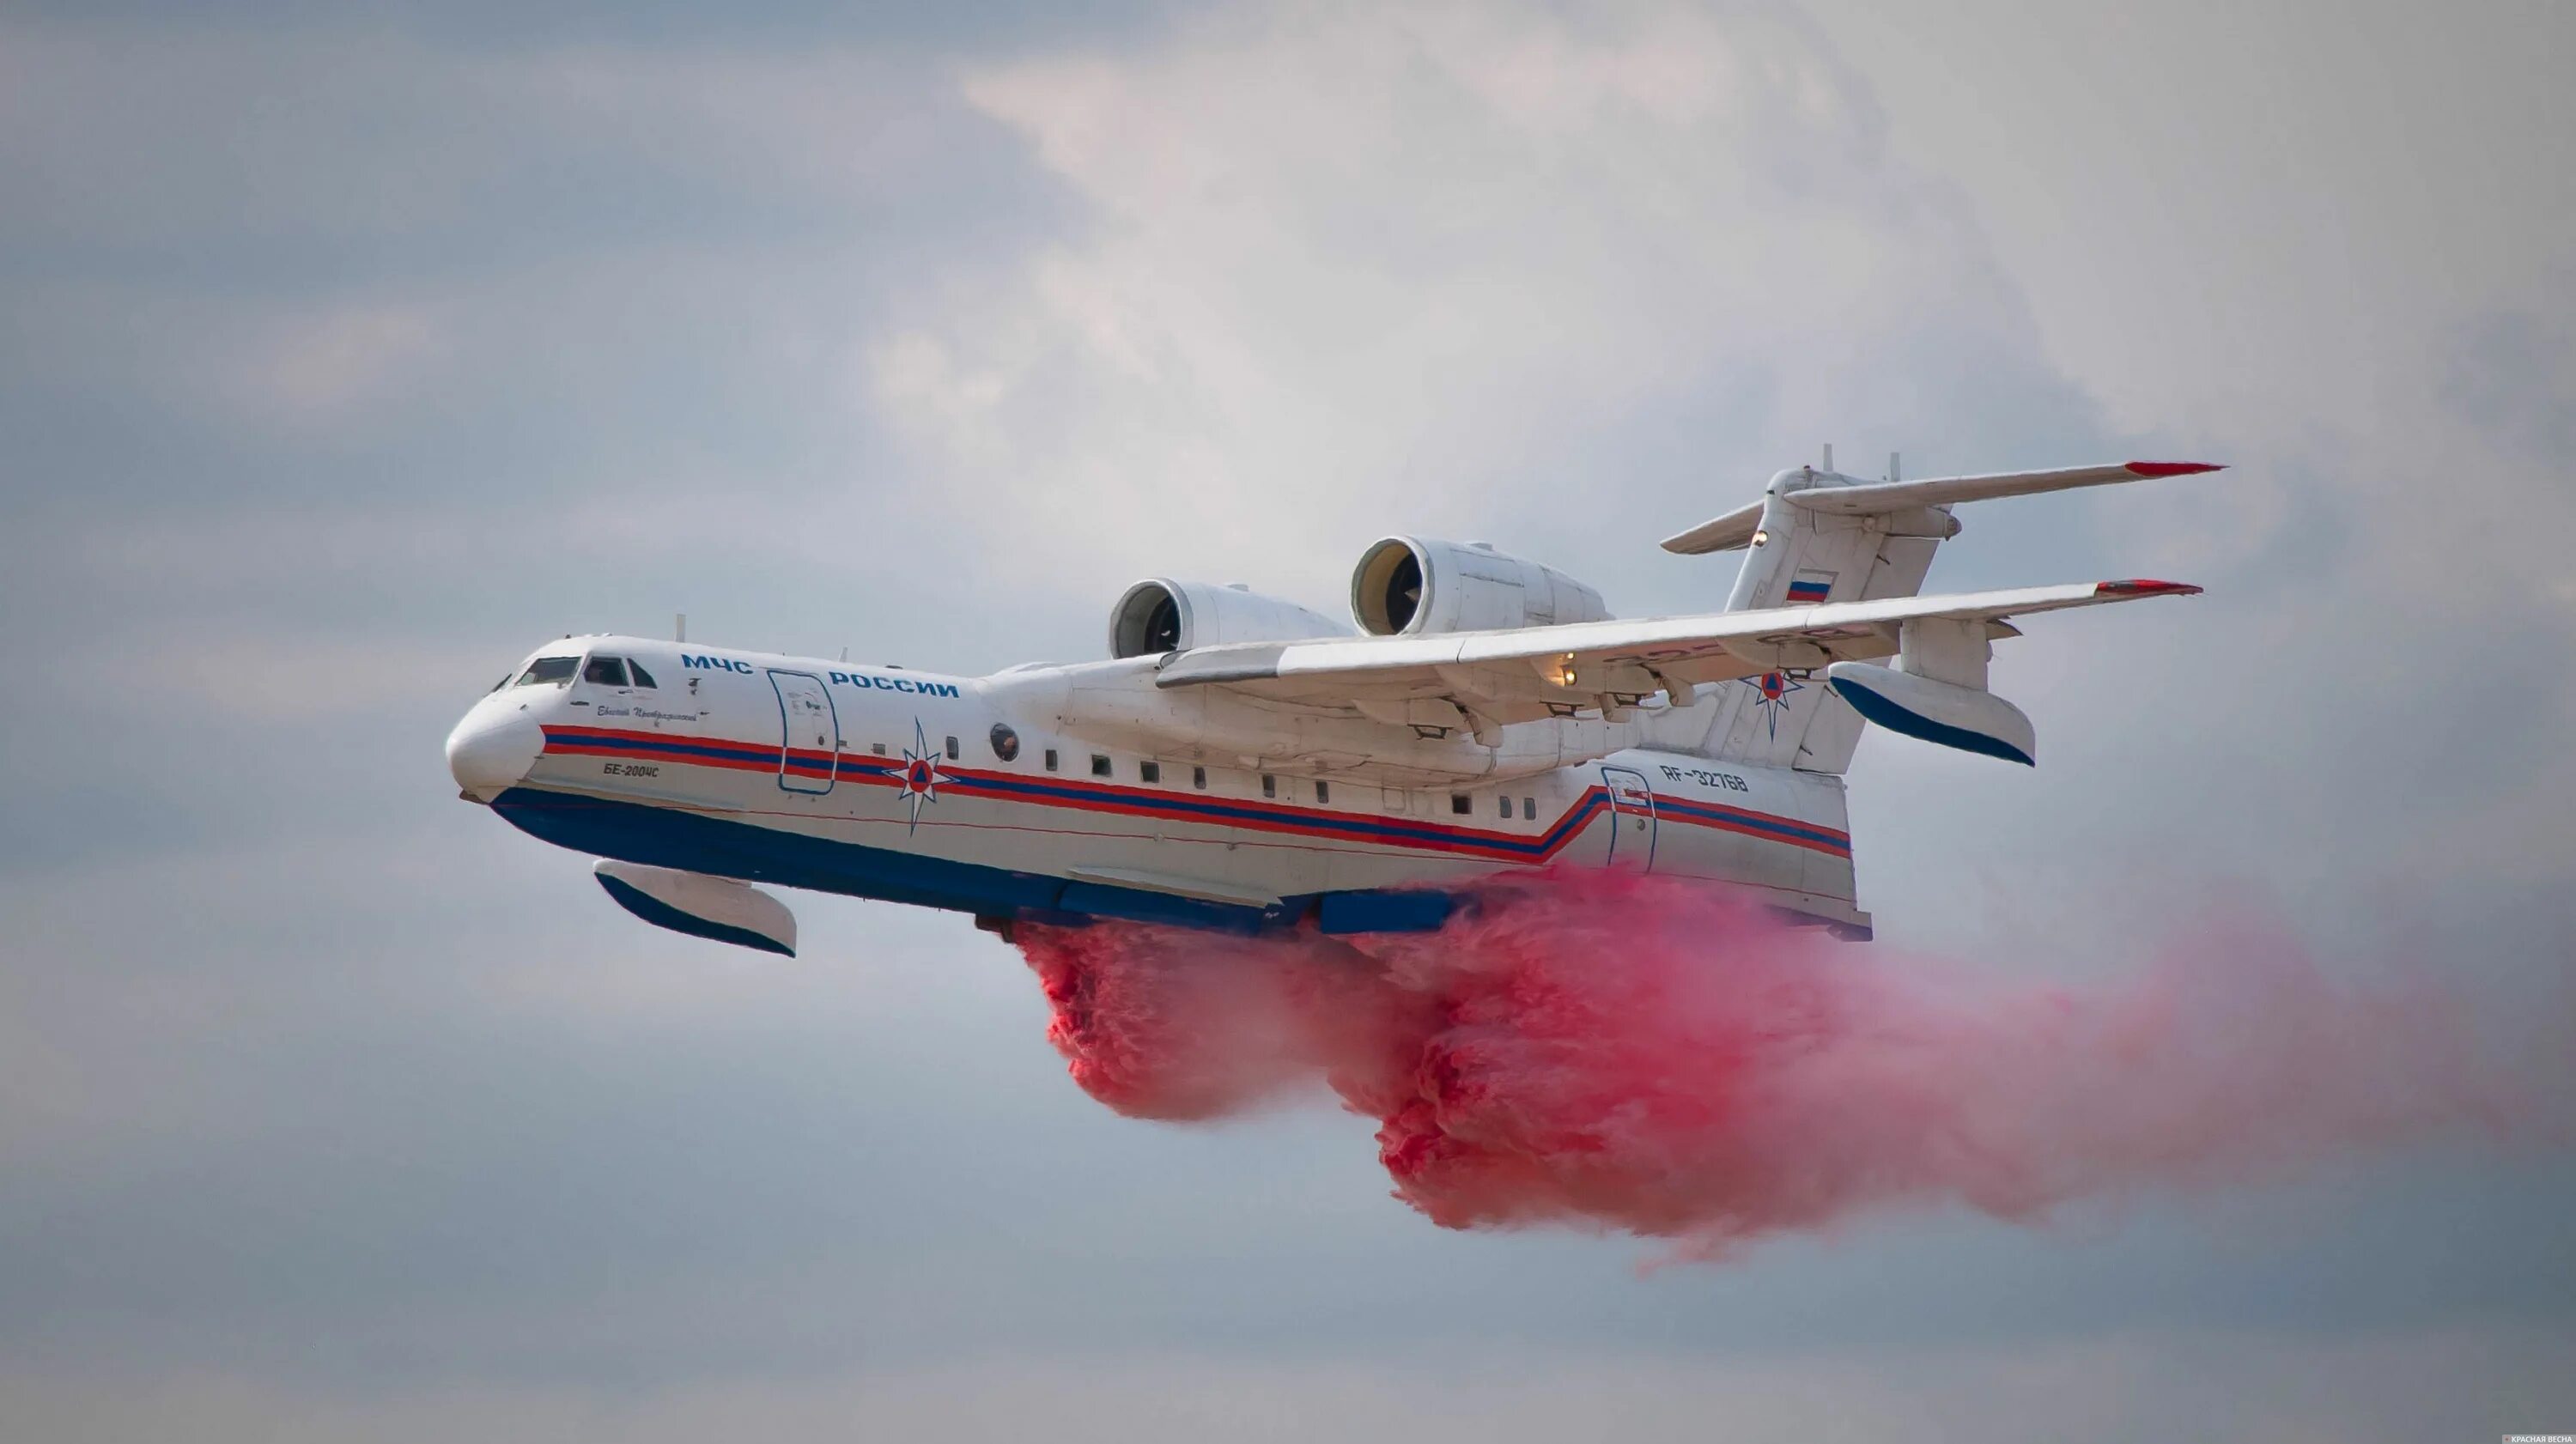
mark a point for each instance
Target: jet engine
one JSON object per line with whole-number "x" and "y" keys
{"x": 1410, "y": 585}
{"x": 1159, "y": 615}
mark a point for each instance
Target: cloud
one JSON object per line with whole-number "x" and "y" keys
{"x": 1571, "y": 282}
{"x": 2513, "y": 374}
{"x": 322, "y": 366}
{"x": 1489, "y": 246}
{"x": 336, "y": 1105}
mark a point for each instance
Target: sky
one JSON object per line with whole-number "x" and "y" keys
{"x": 347, "y": 352}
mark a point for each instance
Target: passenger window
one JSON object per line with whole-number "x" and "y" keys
{"x": 952, "y": 749}
{"x": 878, "y": 748}
{"x": 557, "y": 670}
{"x": 1149, "y": 771}
{"x": 1100, "y": 764}
{"x": 1198, "y": 778}
{"x": 1458, "y": 804}
{"x": 1323, "y": 792}
{"x": 1529, "y": 808}
{"x": 605, "y": 672}
{"x": 642, "y": 677}
{"x": 1269, "y": 785}
{"x": 1050, "y": 759}
{"x": 1507, "y": 805}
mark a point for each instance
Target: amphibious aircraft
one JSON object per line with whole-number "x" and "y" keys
{"x": 1240, "y": 762}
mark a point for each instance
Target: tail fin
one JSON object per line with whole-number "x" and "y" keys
{"x": 1820, "y": 536}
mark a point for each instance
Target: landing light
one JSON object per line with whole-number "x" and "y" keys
{"x": 1760, "y": 535}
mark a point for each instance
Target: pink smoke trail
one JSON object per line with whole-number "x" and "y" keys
{"x": 1653, "y": 1055}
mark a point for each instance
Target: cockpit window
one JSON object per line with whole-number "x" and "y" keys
{"x": 605, "y": 671}
{"x": 557, "y": 670}
{"x": 642, "y": 677}
{"x": 504, "y": 682}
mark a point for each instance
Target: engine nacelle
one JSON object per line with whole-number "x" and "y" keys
{"x": 1159, "y": 615}
{"x": 1407, "y": 585}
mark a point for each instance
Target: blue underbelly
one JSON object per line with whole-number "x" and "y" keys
{"x": 721, "y": 847}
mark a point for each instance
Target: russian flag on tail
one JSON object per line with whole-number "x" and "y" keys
{"x": 1808, "y": 587}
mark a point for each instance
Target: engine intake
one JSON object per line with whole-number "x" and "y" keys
{"x": 1160, "y": 615}
{"x": 1412, "y": 585}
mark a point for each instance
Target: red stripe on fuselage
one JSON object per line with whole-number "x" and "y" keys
{"x": 1395, "y": 831}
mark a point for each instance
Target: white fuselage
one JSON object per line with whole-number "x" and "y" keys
{"x": 1080, "y": 791}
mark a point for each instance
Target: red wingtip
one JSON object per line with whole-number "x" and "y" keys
{"x": 2144, "y": 587}
{"x": 2171, "y": 468}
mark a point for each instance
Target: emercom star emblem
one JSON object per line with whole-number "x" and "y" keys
{"x": 1772, "y": 691}
{"x": 920, "y": 778}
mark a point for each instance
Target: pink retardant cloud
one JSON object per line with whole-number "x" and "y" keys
{"x": 1608, "y": 1050}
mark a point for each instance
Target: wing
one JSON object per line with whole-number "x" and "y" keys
{"x": 1533, "y": 672}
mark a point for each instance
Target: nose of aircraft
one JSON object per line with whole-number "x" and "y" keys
{"x": 492, "y": 750}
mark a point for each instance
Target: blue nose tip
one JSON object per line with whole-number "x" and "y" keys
{"x": 490, "y": 752}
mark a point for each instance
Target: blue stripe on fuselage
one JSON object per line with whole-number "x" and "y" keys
{"x": 721, "y": 751}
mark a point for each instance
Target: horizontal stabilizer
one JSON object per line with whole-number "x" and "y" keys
{"x": 701, "y": 906}
{"x": 1731, "y": 532}
{"x": 1875, "y": 497}
{"x": 1826, "y": 493}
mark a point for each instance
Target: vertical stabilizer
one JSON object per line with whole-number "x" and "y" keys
{"x": 1819, "y": 536}
{"x": 1799, "y": 555}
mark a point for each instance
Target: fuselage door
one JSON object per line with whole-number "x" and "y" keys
{"x": 809, "y": 732}
{"x": 1632, "y": 818}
